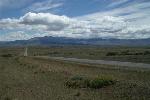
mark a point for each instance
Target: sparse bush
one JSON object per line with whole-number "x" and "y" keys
{"x": 55, "y": 52}
{"x": 134, "y": 53}
{"x": 84, "y": 82}
{"x": 112, "y": 54}
{"x": 77, "y": 78}
{"x": 99, "y": 83}
{"x": 146, "y": 53}
{"x": 126, "y": 52}
{"x": 7, "y": 55}
{"x": 77, "y": 94}
{"x": 91, "y": 54}
{"x": 75, "y": 82}
{"x": 138, "y": 53}
{"x": 7, "y": 98}
{"x": 70, "y": 53}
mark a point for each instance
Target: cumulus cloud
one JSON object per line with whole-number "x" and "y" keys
{"x": 52, "y": 22}
{"x": 44, "y": 21}
{"x": 46, "y": 24}
{"x": 14, "y": 36}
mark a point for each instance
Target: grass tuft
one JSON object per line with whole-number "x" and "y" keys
{"x": 85, "y": 82}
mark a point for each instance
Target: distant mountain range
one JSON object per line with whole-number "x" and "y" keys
{"x": 48, "y": 41}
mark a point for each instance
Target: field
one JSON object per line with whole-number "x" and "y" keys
{"x": 31, "y": 78}
{"x": 131, "y": 54}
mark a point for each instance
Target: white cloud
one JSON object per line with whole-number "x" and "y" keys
{"x": 45, "y": 21}
{"x": 46, "y": 24}
{"x": 131, "y": 11}
{"x": 134, "y": 17}
{"x": 14, "y": 36}
{"x": 53, "y": 22}
{"x": 117, "y": 2}
{"x": 8, "y": 23}
{"x": 44, "y": 6}
{"x": 50, "y": 21}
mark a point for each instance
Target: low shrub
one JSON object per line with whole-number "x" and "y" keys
{"x": 126, "y": 52}
{"x": 112, "y": 54}
{"x": 7, "y": 55}
{"x": 84, "y": 82}
{"x": 146, "y": 53}
{"x": 99, "y": 83}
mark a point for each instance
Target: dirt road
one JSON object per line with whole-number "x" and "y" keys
{"x": 105, "y": 62}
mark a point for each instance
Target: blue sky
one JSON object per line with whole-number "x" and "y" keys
{"x": 123, "y": 19}
{"x": 71, "y": 8}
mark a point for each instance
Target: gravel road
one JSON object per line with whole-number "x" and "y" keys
{"x": 105, "y": 62}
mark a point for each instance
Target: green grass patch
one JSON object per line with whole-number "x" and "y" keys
{"x": 85, "y": 82}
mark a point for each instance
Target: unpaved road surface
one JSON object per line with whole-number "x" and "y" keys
{"x": 105, "y": 62}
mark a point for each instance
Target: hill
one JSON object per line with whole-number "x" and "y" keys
{"x": 47, "y": 41}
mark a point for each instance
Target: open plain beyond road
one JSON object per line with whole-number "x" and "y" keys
{"x": 105, "y": 62}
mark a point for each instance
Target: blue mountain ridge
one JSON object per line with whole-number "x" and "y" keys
{"x": 49, "y": 40}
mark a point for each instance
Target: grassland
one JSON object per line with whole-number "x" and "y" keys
{"x": 30, "y": 78}
{"x": 132, "y": 54}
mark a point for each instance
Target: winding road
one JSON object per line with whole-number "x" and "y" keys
{"x": 105, "y": 62}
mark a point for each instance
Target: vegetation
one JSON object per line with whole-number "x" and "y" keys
{"x": 7, "y": 55}
{"x": 127, "y": 52}
{"x": 132, "y": 54}
{"x": 31, "y": 78}
{"x": 84, "y": 82}
{"x": 111, "y": 54}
